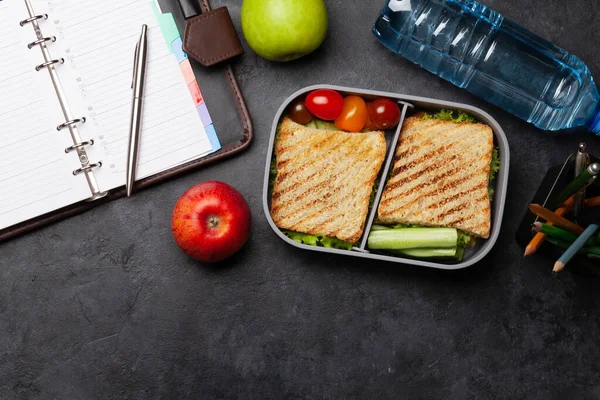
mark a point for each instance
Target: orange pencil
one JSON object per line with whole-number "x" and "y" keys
{"x": 556, "y": 219}
{"x": 539, "y": 237}
{"x": 593, "y": 202}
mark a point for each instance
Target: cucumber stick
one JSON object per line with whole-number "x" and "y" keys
{"x": 413, "y": 238}
{"x": 380, "y": 228}
{"x": 449, "y": 252}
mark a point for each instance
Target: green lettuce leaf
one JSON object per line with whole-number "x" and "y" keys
{"x": 448, "y": 115}
{"x": 464, "y": 117}
{"x": 272, "y": 173}
{"x": 495, "y": 165}
{"x": 318, "y": 240}
{"x": 444, "y": 115}
{"x": 464, "y": 239}
{"x": 460, "y": 252}
{"x": 374, "y": 192}
{"x": 494, "y": 168}
{"x": 319, "y": 124}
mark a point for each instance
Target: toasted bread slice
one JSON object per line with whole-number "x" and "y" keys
{"x": 440, "y": 176}
{"x": 325, "y": 179}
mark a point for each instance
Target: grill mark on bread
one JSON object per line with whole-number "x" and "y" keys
{"x": 316, "y": 205}
{"x": 426, "y": 170}
{"x": 434, "y": 192}
{"x": 411, "y": 164}
{"x": 444, "y": 148}
{"x": 281, "y": 164}
{"x": 451, "y": 211}
{"x": 347, "y": 152}
{"x": 411, "y": 150}
{"x": 323, "y": 224}
{"x": 447, "y": 186}
{"x": 313, "y": 188}
{"x": 282, "y": 150}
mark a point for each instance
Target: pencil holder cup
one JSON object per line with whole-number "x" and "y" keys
{"x": 557, "y": 178}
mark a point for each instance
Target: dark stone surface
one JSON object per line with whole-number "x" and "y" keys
{"x": 104, "y": 305}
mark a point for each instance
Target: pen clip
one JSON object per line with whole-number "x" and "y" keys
{"x": 136, "y": 56}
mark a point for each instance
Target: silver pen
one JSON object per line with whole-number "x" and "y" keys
{"x": 580, "y": 164}
{"x": 135, "y": 127}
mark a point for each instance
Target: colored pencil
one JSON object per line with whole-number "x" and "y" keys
{"x": 563, "y": 244}
{"x": 554, "y": 231}
{"x": 593, "y": 250}
{"x": 593, "y": 202}
{"x": 580, "y": 182}
{"x": 555, "y": 219}
{"x": 539, "y": 238}
{"x": 574, "y": 248}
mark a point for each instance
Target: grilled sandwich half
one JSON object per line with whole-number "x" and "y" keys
{"x": 440, "y": 176}
{"x": 325, "y": 179}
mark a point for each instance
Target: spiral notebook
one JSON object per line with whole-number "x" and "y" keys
{"x": 65, "y": 102}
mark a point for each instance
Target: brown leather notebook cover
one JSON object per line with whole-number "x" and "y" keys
{"x": 230, "y": 146}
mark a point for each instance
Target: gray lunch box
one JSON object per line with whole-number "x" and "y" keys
{"x": 407, "y": 104}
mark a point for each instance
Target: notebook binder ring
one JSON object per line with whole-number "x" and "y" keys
{"x": 31, "y": 19}
{"x": 40, "y": 41}
{"x": 79, "y": 145}
{"x": 87, "y": 168}
{"x": 48, "y": 63}
{"x": 71, "y": 122}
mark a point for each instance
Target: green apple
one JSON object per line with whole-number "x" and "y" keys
{"x": 283, "y": 30}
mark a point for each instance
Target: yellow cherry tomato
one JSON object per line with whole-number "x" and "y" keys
{"x": 353, "y": 116}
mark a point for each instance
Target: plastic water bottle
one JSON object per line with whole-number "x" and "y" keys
{"x": 477, "y": 49}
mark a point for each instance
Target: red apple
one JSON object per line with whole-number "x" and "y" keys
{"x": 211, "y": 221}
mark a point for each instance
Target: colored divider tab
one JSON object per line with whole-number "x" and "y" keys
{"x": 177, "y": 47}
{"x": 188, "y": 72}
{"x": 212, "y": 137}
{"x": 195, "y": 92}
{"x": 167, "y": 26}
{"x": 204, "y": 115}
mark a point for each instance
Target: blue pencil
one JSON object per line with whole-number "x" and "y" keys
{"x": 575, "y": 247}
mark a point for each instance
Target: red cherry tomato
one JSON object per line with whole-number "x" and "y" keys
{"x": 383, "y": 114}
{"x": 325, "y": 104}
{"x": 298, "y": 112}
{"x": 353, "y": 116}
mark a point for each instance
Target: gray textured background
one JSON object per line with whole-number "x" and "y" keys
{"x": 104, "y": 305}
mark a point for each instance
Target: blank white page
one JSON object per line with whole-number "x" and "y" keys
{"x": 98, "y": 40}
{"x": 35, "y": 173}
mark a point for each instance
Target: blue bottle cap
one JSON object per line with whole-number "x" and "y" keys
{"x": 594, "y": 124}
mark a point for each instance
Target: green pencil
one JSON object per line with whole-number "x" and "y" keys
{"x": 563, "y": 244}
{"x": 555, "y": 232}
{"x": 580, "y": 182}
{"x": 558, "y": 233}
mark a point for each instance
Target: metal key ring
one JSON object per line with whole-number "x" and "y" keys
{"x": 31, "y": 19}
{"x": 48, "y": 63}
{"x": 71, "y": 122}
{"x": 40, "y": 41}
{"x": 79, "y": 145}
{"x": 87, "y": 168}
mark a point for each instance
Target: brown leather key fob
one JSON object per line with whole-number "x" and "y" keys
{"x": 210, "y": 37}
